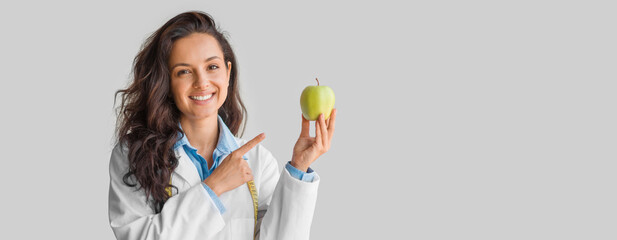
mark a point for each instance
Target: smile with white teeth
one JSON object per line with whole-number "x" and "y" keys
{"x": 201, "y": 98}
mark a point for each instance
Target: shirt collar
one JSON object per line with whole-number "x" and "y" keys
{"x": 225, "y": 145}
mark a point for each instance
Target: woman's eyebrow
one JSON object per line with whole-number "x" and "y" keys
{"x": 188, "y": 65}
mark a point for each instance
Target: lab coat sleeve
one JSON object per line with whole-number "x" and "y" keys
{"x": 270, "y": 175}
{"x": 291, "y": 206}
{"x": 299, "y": 174}
{"x": 188, "y": 215}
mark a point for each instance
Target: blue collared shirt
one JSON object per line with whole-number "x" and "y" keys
{"x": 225, "y": 145}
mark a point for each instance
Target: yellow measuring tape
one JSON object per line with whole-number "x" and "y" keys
{"x": 252, "y": 190}
{"x": 168, "y": 189}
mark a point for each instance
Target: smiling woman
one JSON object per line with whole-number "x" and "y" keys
{"x": 178, "y": 168}
{"x": 199, "y": 87}
{"x": 151, "y": 108}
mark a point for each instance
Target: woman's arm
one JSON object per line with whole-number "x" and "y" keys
{"x": 131, "y": 217}
{"x": 290, "y": 203}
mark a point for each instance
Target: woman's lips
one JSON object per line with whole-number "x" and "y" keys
{"x": 202, "y": 99}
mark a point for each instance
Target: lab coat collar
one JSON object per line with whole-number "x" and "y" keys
{"x": 225, "y": 145}
{"x": 185, "y": 168}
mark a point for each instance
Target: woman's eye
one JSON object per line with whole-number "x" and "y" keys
{"x": 213, "y": 67}
{"x": 182, "y": 72}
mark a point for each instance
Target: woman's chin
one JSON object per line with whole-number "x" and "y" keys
{"x": 204, "y": 115}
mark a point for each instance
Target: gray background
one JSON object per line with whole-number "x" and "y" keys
{"x": 456, "y": 119}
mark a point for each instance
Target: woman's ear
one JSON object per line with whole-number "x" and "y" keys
{"x": 228, "y": 70}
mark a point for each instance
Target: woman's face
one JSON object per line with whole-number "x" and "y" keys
{"x": 199, "y": 77}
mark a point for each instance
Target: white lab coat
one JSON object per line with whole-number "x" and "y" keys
{"x": 192, "y": 214}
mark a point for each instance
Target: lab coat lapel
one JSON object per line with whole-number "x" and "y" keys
{"x": 186, "y": 168}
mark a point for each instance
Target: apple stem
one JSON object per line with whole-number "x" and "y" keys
{"x": 317, "y": 81}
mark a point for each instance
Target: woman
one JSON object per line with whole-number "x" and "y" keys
{"x": 178, "y": 171}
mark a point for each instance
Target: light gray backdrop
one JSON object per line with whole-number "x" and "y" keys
{"x": 457, "y": 119}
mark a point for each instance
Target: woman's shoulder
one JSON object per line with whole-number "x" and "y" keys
{"x": 120, "y": 148}
{"x": 119, "y": 156}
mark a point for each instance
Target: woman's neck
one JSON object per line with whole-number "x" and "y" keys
{"x": 203, "y": 134}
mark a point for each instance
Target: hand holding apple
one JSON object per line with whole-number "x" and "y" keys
{"x": 307, "y": 148}
{"x": 317, "y": 103}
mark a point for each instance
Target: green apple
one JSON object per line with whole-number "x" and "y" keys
{"x": 316, "y": 100}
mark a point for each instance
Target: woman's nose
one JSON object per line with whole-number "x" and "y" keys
{"x": 201, "y": 81}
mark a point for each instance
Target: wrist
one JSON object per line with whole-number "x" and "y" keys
{"x": 298, "y": 165}
{"x": 215, "y": 187}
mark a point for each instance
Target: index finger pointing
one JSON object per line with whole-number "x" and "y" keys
{"x": 250, "y": 144}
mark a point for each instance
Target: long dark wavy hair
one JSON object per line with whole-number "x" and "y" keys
{"x": 148, "y": 117}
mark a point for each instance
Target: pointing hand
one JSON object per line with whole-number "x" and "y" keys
{"x": 234, "y": 170}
